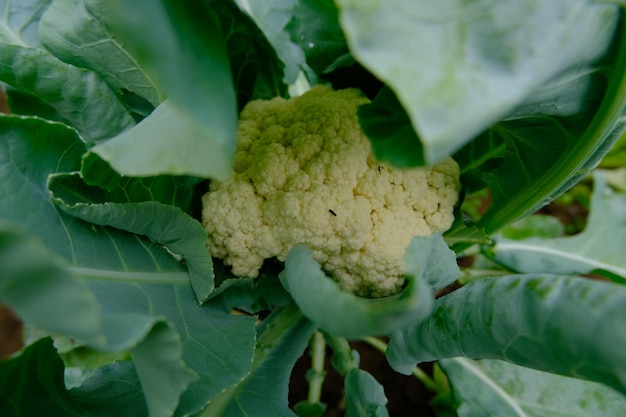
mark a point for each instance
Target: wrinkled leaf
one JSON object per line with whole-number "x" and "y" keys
{"x": 162, "y": 223}
{"x": 113, "y": 389}
{"x": 272, "y": 17}
{"x": 48, "y": 295}
{"x": 183, "y": 50}
{"x": 339, "y": 313}
{"x": 81, "y": 33}
{"x": 168, "y": 141}
{"x": 315, "y": 27}
{"x": 388, "y": 128}
{"x": 30, "y": 150}
{"x": 143, "y": 293}
{"x": 79, "y": 96}
{"x": 365, "y": 396}
{"x": 497, "y": 388}
{"x": 599, "y": 247}
{"x": 565, "y": 325}
{"x": 283, "y": 336}
{"x": 257, "y": 71}
{"x": 216, "y": 345}
{"x": 459, "y": 67}
{"x": 34, "y": 282}
{"x": 31, "y": 384}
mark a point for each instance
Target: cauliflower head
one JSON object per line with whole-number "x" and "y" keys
{"x": 304, "y": 173}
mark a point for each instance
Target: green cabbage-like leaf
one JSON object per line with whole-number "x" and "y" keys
{"x": 459, "y": 67}
{"x": 429, "y": 264}
{"x": 82, "y": 33}
{"x": 600, "y": 247}
{"x": 497, "y": 388}
{"x": 171, "y": 142}
{"x": 560, "y": 324}
{"x": 283, "y": 336}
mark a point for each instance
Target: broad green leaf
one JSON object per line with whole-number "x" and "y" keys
{"x": 389, "y": 130}
{"x": 175, "y": 190}
{"x": 30, "y": 150}
{"x": 79, "y": 96}
{"x": 339, "y": 313}
{"x": 283, "y": 336}
{"x": 152, "y": 321}
{"x": 164, "y": 224}
{"x": 21, "y": 20}
{"x": 315, "y": 27}
{"x": 458, "y": 67}
{"x": 251, "y": 295}
{"x": 365, "y": 396}
{"x": 218, "y": 346}
{"x": 272, "y": 17}
{"x": 34, "y": 282}
{"x": 111, "y": 390}
{"x": 560, "y": 324}
{"x": 497, "y": 388}
{"x": 536, "y": 225}
{"x": 574, "y": 92}
{"x": 31, "y": 384}
{"x": 82, "y": 33}
{"x": 599, "y": 247}
{"x": 171, "y": 142}
{"x": 257, "y": 70}
{"x": 182, "y": 48}
{"x": 48, "y": 295}
{"x": 525, "y": 183}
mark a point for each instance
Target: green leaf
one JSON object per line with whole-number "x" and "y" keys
{"x": 167, "y": 189}
{"x": 111, "y": 390}
{"x": 143, "y": 293}
{"x": 257, "y": 71}
{"x": 161, "y": 223}
{"x": 599, "y": 247}
{"x": 82, "y": 33}
{"x": 339, "y": 313}
{"x": 365, "y": 396}
{"x": 218, "y": 346}
{"x": 496, "y": 388}
{"x": 80, "y": 97}
{"x": 283, "y": 336}
{"x": 459, "y": 67}
{"x": 30, "y": 150}
{"x": 182, "y": 48}
{"x": 389, "y": 130}
{"x": 31, "y": 384}
{"x": 34, "y": 281}
{"x": 536, "y": 225}
{"x": 168, "y": 142}
{"x": 47, "y": 294}
{"x": 21, "y": 22}
{"x": 272, "y": 17}
{"x": 527, "y": 320}
{"x": 515, "y": 184}
{"x": 315, "y": 27}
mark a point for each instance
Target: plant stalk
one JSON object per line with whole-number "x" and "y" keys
{"x": 417, "y": 372}
{"x": 317, "y": 376}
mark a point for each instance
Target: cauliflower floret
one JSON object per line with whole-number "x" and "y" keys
{"x": 305, "y": 174}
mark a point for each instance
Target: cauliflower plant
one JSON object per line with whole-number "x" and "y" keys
{"x": 304, "y": 173}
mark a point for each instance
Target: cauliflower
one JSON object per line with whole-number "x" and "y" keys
{"x": 305, "y": 174}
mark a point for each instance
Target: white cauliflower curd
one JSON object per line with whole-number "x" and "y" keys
{"x": 305, "y": 174}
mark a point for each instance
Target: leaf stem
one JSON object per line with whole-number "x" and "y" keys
{"x": 417, "y": 372}
{"x": 317, "y": 375}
